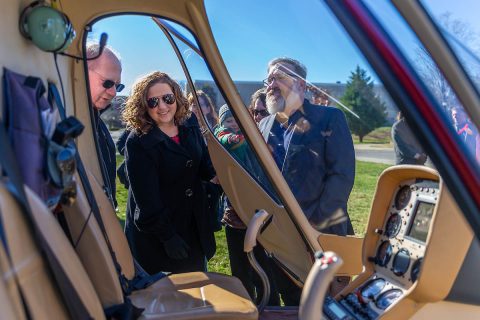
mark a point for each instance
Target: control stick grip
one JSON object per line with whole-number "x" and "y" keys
{"x": 253, "y": 228}
{"x": 316, "y": 286}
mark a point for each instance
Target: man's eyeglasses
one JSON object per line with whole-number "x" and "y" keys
{"x": 168, "y": 98}
{"x": 107, "y": 83}
{"x": 280, "y": 77}
{"x": 262, "y": 113}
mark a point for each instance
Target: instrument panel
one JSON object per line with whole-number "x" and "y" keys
{"x": 399, "y": 251}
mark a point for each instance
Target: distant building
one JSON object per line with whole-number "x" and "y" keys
{"x": 247, "y": 88}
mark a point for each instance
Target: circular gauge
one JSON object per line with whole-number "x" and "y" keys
{"x": 403, "y": 197}
{"x": 387, "y": 298}
{"x": 415, "y": 270}
{"x": 384, "y": 253}
{"x": 401, "y": 262}
{"x": 394, "y": 224}
{"x": 373, "y": 287}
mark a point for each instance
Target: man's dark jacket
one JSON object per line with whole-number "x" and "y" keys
{"x": 405, "y": 144}
{"x": 107, "y": 149}
{"x": 166, "y": 185}
{"x": 319, "y": 165}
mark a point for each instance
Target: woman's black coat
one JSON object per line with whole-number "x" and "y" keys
{"x": 166, "y": 185}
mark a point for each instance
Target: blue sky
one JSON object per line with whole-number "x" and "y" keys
{"x": 250, "y": 33}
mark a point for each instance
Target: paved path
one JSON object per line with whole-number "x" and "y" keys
{"x": 372, "y": 153}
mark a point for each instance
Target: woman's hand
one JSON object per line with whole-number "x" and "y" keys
{"x": 215, "y": 180}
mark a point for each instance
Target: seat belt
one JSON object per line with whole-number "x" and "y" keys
{"x": 74, "y": 303}
{"x": 54, "y": 96}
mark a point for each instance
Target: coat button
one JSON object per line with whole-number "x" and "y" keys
{"x": 189, "y": 192}
{"x": 189, "y": 163}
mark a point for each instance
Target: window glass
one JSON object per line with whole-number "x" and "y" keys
{"x": 142, "y": 48}
{"x": 462, "y": 38}
{"x": 313, "y": 148}
{"x": 215, "y": 111}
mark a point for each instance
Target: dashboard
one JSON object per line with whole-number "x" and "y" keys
{"x": 400, "y": 248}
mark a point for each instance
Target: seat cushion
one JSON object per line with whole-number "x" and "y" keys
{"x": 195, "y": 295}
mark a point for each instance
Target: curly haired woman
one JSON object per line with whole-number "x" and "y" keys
{"x": 166, "y": 158}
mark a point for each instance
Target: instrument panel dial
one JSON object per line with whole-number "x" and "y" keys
{"x": 403, "y": 197}
{"x": 384, "y": 253}
{"x": 394, "y": 224}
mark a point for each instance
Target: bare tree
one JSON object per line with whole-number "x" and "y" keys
{"x": 464, "y": 41}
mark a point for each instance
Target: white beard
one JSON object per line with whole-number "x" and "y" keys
{"x": 275, "y": 104}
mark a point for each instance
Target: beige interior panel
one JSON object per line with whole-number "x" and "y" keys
{"x": 93, "y": 251}
{"x": 348, "y": 248}
{"x": 195, "y": 295}
{"x": 19, "y": 54}
{"x": 444, "y": 310}
{"x": 31, "y": 271}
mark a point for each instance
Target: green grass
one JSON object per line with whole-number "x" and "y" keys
{"x": 366, "y": 177}
{"x": 359, "y": 203}
{"x": 379, "y": 136}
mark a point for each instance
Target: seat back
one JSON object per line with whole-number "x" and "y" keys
{"x": 30, "y": 270}
{"x": 91, "y": 246}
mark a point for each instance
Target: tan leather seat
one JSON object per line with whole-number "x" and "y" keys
{"x": 184, "y": 296}
{"x": 195, "y": 295}
{"x": 29, "y": 269}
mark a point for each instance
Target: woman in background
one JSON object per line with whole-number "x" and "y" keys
{"x": 257, "y": 105}
{"x": 207, "y": 107}
{"x": 166, "y": 160}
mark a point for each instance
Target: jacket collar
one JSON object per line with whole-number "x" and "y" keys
{"x": 156, "y": 136}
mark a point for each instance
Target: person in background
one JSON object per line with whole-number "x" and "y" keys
{"x": 312, "y": 146}
{"x": 407, "y": 149}
{"x": 166, "y": 161}
{"x": 121, "y": 172}
{"x": 257, "y": 105}
{"x": 207, "y": 107}
{"x": 104, "y": 74}
{"x": 320, "y": 97}
{"x": 465, "y": 129}
{"x": 229, "y": 135}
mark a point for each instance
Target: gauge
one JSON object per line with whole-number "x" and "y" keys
{"x": 403, "y": 197}
{"x": 401, "y": 262}
{"x": 393, "y": 225}
{"x": 387, "y": 298}
{"x": 416, "y": 270}
{"x": 373, "y": 288}
{"x": 384, "y": 253}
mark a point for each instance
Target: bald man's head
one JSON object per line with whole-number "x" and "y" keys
{"x": 100, "y": 70}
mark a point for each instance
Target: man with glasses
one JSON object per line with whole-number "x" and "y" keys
{"x": 313, "y": 148}
{"x": 104, "y": 73}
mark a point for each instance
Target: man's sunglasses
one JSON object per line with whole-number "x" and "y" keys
{"x": 107, "y": 84}
{"x": 168, "y": 98}
{"x": 262, "y": 113}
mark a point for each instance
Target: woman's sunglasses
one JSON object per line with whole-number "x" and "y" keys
{"x": 168, "y": 98}
{"x": 262, "y": 113}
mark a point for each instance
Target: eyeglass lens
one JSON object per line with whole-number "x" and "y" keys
{"x": 168, "y": 98}
{"x": 107, "y": 84}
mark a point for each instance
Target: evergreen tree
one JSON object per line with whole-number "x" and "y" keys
{"x": 361, "y": 98}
